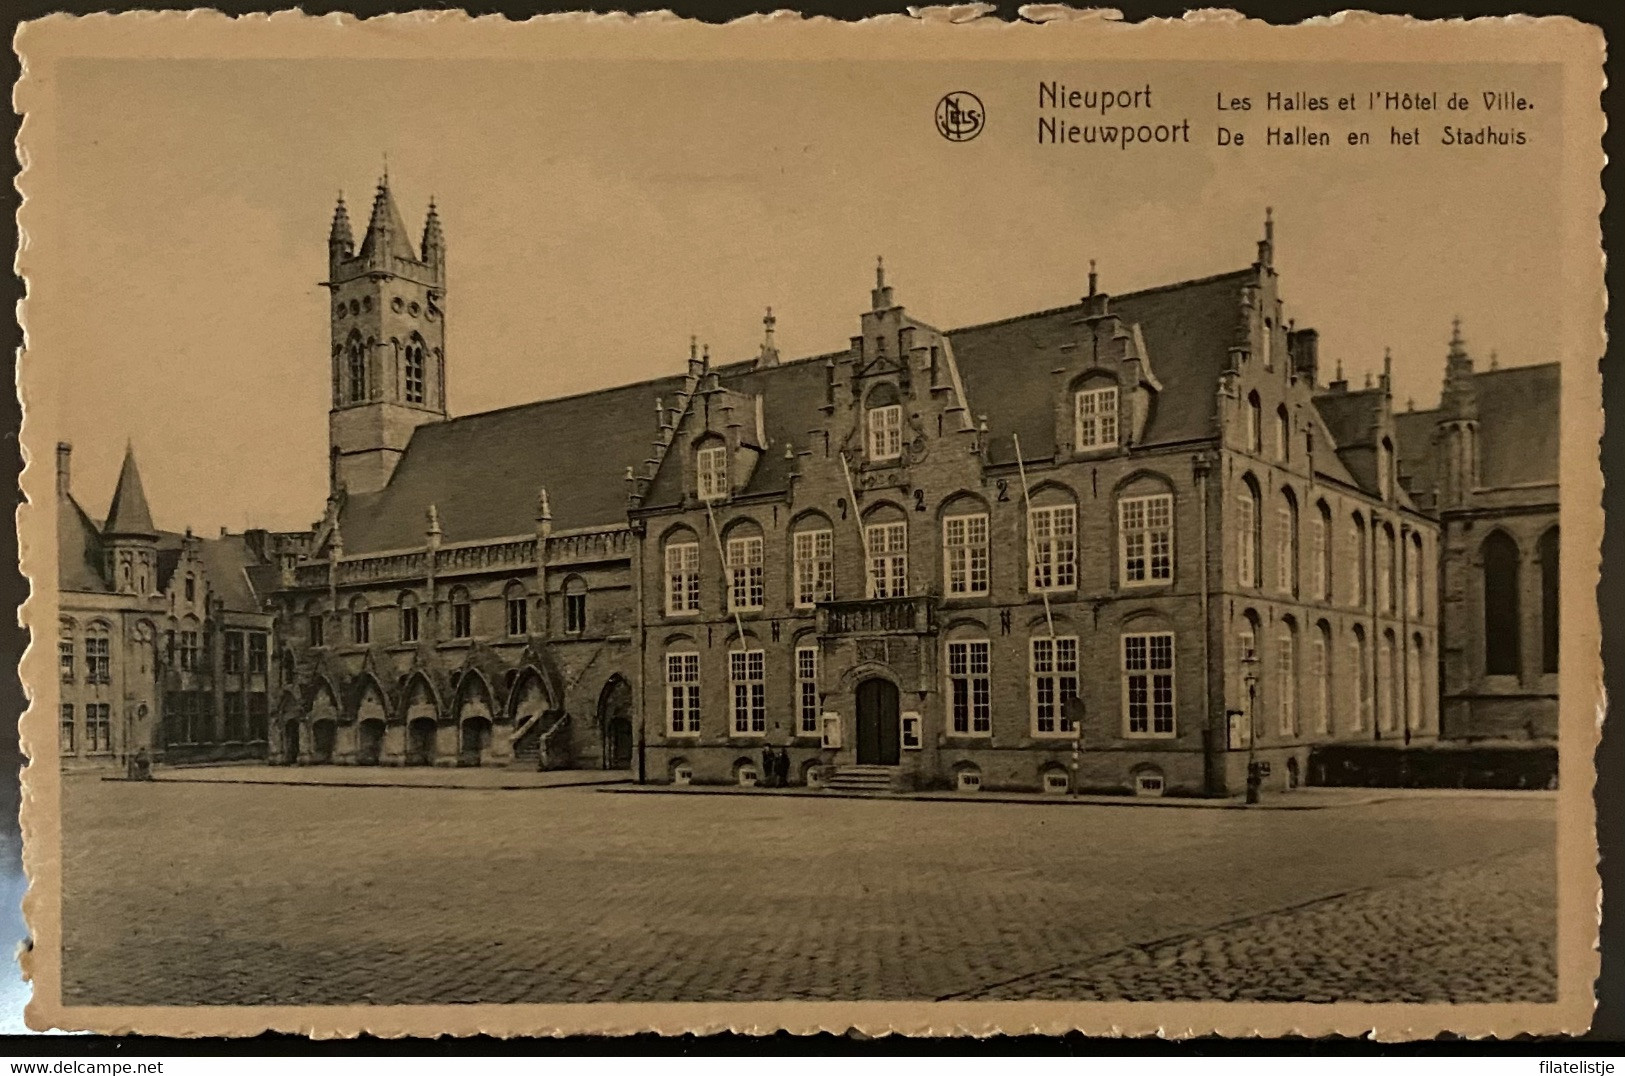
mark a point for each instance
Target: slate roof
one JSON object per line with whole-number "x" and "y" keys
{"x": 483, "y": 472}
{"x": 1519, "y": 426}
{"x": 227, "y": 561}
{"x": 129, "y": 513}
{"x": 79, "y": 556}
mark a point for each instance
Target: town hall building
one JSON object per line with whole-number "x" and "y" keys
{"x": 1132, "y": 544}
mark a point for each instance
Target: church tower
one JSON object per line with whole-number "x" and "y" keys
{"x": 389, "y": 335}
{"x": 1457, "y": 432}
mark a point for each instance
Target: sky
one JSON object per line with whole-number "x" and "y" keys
{"x": 598, "y": 213}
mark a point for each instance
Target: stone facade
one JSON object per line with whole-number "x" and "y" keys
{"x": 163, "y": 645}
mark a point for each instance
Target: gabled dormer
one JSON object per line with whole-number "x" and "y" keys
{"x": 1105, "y": 389}
{"x": 723, "y": 434}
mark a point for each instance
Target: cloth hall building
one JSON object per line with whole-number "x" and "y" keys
{"x": 1117, "y": 545}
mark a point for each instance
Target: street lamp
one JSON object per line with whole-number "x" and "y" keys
{"x": 1249, "y": 676}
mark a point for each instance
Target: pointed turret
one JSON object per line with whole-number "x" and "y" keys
{"x": 434, "y": 241}
{"x": 881, "y": 297}
{"x": 386, "y": 230}
{"x": 1459, "y": 399}
{"x": 1457, "y": 431}
{"x": 129, "y": 516}
{"x": 340, "y": 241}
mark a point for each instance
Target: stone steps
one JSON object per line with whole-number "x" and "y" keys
{"x": 861, "y": 779}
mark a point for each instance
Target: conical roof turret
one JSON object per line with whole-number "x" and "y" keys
{"x": 129, "y": 516}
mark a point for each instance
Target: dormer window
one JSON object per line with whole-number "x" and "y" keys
{"x": 885, "y": 425}
{"x": 711, "y": 467}
{"x": 1096, "y": 411}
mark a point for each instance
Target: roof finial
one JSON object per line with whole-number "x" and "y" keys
{"x": 1093, "y": 279}
{"x": 693, "y": 348}
{"x": 544, "y": 512}
{"x": 1340, "y": 369}
{"x": 1495, "y": 360}
{"x": 384, "y": 180}
{"x": 1387, "y": 366}
{"x": 1410, "y": 403}
{"x": 1269, "y": 224}
{"x": 880, "y": 271}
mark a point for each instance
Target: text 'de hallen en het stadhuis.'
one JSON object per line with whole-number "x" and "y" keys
{"x": 1131, "y": 117}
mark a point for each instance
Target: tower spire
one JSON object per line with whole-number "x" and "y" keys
{"x": 1459, "y": 399}
{"x": 340, "y": 240}
{"x": 386, "y": 231}
{"x": 129, "y": 516}
{"x": 434, "y": 240}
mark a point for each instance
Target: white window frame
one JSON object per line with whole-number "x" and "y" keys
{"x": 1321, "y": 676}
{"x": 516, "y": 610}
{"x": 970, "y": 688}
{"x": 1246, "y": 532}
{"x": 1054, "y": 538}
{"x": 913, "y": 736}
{"x": 711, "y": 472}
{"x": 885, "y": 548}
{"x": 411, "y": 624}
{"x": 813, "y": 553}
{"x": 1322, "y": 556}
{"x": 1094, "y": 418}
{"x": 1155, "y": 684}
{"x": 747, "y": 688}
{"x": 682, "y": 693}
{"x": 746, "y": 590}
{"x": 885, "y": 428}
{"x": 1053, "y": 668}
{"x": 965, "y": 560}
{"x": 682, "y": 578}
{"x": 1145, "y": 540}
{"x": 1286, "y": 682}
{"x": 807, "y": 702}
{"x": 1286, "y": 564}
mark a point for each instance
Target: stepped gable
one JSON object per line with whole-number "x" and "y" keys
{"x": 482, "y": 472}
{"x": 792, "y": 393}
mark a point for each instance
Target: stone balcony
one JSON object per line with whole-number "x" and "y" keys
{"x": 878, "y": 616}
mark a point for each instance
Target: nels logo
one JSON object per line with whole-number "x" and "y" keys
{"x": 960, "y": 116}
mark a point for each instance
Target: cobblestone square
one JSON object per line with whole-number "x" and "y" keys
{"x": 195, "y": 893}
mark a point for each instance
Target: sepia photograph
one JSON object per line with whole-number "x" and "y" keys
{"x": 626, "y": 525}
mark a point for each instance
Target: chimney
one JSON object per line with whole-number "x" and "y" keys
{"x": 1303, "y": 345}
{"x": 64, "y": 465}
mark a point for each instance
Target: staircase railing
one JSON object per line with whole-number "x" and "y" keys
{"x": 545, "y": 748}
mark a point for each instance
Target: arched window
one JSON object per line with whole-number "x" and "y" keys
{"x": 409, "y": 617}
{"x": 1548, "y": 601}
{"x": 1286, "y": 565}
{"x": 516, "y": 607}
{"x": 1385, "y": 569}
{"x": 966, "y": 559}
{"x": 360, "y": 621}
{"x": 67, "y": 663}
{"x": 356, "y": 380}
{"x": 575, "y": 605}
{"x": 462, "y": 614}
{"x": 1052, "y": 539}
{"x": 1094, "y": 416}
{"x": 1286, "y": 679}
{"x": 1145, "y": 534}
{"x": 885, "y": 546}
{"x": 682, "y": 553}
{"x": 1357, "y": 575}
{"x": 1413, "y": 575}
{"x": 1360, "y": 660}
{"x": 883, "y": 423}
{"x": 1283, "y": 434}
{"x": 742, "y": 546}
{"x": 1247, "y": 533}
{"x": 1415, "y": 712}
{"x": 1320, "y": 676}
{"x": 812, "y": 553}
{"x": 1387, "y": 683}
{"x": 711, "y": 470}
{"x": 415, "y": 376}
{"x": 1502, "y": 654}
{"x": 1255, "y": 423}
{"x": 1320, "y": 543}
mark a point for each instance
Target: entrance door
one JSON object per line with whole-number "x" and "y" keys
{"x": 618, "y": 744}
{"x": 323, "y": 735}
{"x": 878, "y": 740}
{"x": 290, "y": 742}
{"x": 420, "y": 742}
{"x": 369, "y": 742}
{"x": 476, "y": 735}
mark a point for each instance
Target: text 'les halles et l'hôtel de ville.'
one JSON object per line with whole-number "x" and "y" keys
{"x": 1124, "y": 117}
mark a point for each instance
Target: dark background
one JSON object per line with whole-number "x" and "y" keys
{"x": 1609, "y": 1026}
